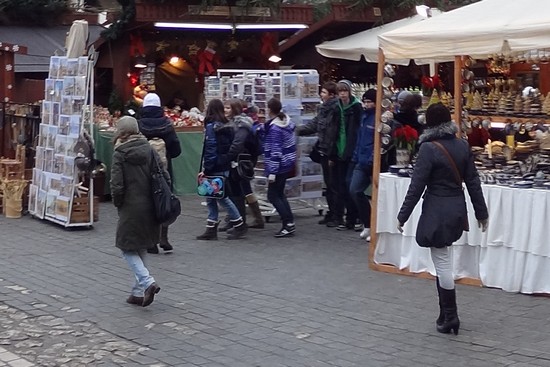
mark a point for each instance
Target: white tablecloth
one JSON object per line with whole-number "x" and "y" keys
{"x": 514, "y": 253}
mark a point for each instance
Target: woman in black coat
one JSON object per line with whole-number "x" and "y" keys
{"x": 153, "y": 124}
{"x": 443, "y": 163}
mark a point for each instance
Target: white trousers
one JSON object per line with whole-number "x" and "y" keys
{"x": 441, "y": 258}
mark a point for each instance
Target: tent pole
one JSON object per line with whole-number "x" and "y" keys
{"x": 457, "y": 116}
{"x": 376, "y": 163}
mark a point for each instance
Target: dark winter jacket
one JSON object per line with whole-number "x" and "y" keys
{"x": 409, "y": 117}
{"x": 280, "y": 146}
{"x": 350, "y": 116}
{"x": 153, "y": 124}
{"x": 243, "y": 129}
{"x": 131, "y": 170}
{"x": 325, "y": 124}
{"x": 363, "y": 154}
{"x": 444, "y": 215}
{"x": 217, "y": 140}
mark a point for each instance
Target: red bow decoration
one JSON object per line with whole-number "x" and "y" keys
{"x": 208, "y": 61}
{"x": 136, "y": 45}
{"x": 431, "y": 82}
{"x": 268, "y": 40}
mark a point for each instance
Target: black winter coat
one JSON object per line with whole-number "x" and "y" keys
{"x": 217, "y": 141}
{"x": 325, "y": 124}
{"x": 153, "y": 124}
{"x": 444, "y": 215}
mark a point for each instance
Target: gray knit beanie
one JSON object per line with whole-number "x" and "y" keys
{"x": 127, "y": 125}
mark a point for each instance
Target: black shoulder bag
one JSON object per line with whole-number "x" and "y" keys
{"x": 167, "y": 205}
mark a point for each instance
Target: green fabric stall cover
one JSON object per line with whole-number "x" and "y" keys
{"x": 185, "y": 167}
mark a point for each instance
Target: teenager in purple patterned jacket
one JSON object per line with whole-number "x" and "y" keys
{"x": 280, "y": 162}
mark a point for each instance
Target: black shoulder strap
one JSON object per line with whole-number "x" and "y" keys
{"x": 458, "y": 177}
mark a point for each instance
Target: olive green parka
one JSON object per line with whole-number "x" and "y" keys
{"x": 132, "y": 165}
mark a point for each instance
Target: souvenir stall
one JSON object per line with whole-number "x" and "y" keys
{"x": 512, "y": 254}
{"x": 298, "y": 91}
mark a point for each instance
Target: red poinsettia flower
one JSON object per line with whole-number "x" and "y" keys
{"x": 405, "y": 137}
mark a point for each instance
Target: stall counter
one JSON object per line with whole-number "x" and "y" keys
{"x": 513, "y": 254}
{"x": 185, "y": 167}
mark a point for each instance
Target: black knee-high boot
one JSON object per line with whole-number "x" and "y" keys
{"x": 441, "y": 316}
{"x": 451, "y": 322}
{"x": 239, "y": 202}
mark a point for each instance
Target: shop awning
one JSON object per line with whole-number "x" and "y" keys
{"x": 41, "y": 43}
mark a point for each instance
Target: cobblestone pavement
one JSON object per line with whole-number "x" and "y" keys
{"x": 306, "y": 301}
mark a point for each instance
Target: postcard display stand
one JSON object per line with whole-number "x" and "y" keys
{"x": 298, "y": 91}
{"x": 55, "y": 193}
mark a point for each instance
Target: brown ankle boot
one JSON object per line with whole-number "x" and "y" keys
{"x": 258, "y": 221}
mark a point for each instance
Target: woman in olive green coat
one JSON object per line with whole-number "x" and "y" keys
{"x": 137, "y": 228}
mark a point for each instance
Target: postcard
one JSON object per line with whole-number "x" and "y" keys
{"x": 68, "y": 86}
{"x": 40, "y": 204}
{"x": 82, "y": 66}
{"x": 54, "y": 67}
{"x": 62, "y": 208}
{"x": 63, "y": 71}
{"x": 80, "y": 86}
{"x": 72, "y": 67}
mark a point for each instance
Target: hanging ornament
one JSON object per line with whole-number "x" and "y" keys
{"x": 232, "y": 45}
{"x": 193, "y": 49}
{"x": 136, "y": 45}
{"x": 15, "y": 48}
{"x": 267, "y": 44}
{"x": 162, "y": 46}
{"x": 208, "y": 59}
{"x": 10, "y": 86}
{"x": 9, "y": 67}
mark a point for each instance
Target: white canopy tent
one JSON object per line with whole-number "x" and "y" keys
{"x": 478, "y": 30}
{"x": 365, "y": 43}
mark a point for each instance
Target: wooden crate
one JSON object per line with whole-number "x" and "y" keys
{"x": 80, "y": 212}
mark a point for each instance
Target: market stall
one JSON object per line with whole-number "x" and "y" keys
{"x": 185, "y": 167}
{"x": 511, "y": 255}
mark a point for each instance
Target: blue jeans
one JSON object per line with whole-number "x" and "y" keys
{"x": 276, "y": 196}
{"x": 136, "y": 261}
{"x": 212, "y": 205}
{"x": 360, "y": 180}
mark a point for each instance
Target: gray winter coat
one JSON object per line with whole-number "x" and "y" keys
{"x": 131, "y": 169}
{"x": 444, "y": 215}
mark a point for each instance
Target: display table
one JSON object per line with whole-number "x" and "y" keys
{"x": 185, "y": 167}
{"x": 513, "y": 254}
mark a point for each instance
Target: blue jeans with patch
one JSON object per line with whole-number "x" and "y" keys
{"x": 136, "y": 261}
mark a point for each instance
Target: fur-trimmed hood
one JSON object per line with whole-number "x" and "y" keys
{"x": 441, "y": 131}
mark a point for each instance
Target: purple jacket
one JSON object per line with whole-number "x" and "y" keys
{"x": 279, "y": 146}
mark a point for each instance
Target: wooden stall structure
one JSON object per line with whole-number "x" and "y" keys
{"x": 489, "y": 27}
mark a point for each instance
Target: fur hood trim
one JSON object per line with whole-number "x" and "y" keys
{"x": 440, "y": 131}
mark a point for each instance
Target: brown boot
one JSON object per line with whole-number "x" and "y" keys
{"x": 134, "y": 300}
{"x": 254, "y": 206}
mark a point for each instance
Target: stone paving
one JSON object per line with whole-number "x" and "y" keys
{"x": 306, "y": 301}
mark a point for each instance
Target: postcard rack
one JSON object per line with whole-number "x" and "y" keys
{"x": 57, "y": 192}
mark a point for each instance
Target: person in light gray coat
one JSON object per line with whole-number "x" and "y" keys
{"x": 440, "y": 170}
{"x": 137, "y": 228}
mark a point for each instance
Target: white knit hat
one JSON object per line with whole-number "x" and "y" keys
{"x": 151, "y": 99}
